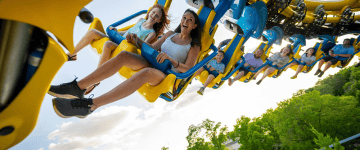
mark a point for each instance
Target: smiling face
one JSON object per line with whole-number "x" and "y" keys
{"x": 258, "y": 53}
{"x": 155, "y": 15}
{"x": 286, "y": 51}
{"x": 187, "y": 23}
{"x": 219, "y": 56}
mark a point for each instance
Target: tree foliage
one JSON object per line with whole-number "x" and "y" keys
{"x": 325, "y": 141}
{"x": 207, "y": 130}
{"x": 331, "y": 107}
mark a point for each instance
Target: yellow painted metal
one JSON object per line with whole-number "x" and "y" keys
{"x": 309, "y": 17}
{"x": 263, "y": 58}
{"x": 288, "y": 12}
{"x": 23, "y": 111}
{"x": 202, "y": 77}
{"x": 318, "y": 55}
{"x": 291, "y": 59}
{"x": 355, "y": 45}
{"x": 149, "y": 92}
{"x": 58, "y": 17}
{"x": 329, "y": 4}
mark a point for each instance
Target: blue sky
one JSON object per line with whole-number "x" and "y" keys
{"x": 135, "y": 124}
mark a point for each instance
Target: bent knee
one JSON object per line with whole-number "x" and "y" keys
{"x": 109, "y": 46}
{"x": 152, "y": 75}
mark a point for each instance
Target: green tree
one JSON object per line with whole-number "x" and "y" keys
{"x": 334, "y": 115}
{"x": 324, "y": 141}
{"x": 213, "y": 132}
{"x": 252, "y": 135}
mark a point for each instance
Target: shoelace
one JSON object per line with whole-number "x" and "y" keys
{"x": 79, "y": 103}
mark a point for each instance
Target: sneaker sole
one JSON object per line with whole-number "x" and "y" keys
{"x": 57, "y": 111}
{"x": 61, "y": 115}
{"x": 66, "y": 96}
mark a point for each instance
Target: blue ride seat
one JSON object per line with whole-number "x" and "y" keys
{"x": 272, "y": 36}
{"x": 252, "y": 23}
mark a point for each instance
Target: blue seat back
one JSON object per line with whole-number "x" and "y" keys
{"x": 229, "y": 52}
{"x": 298, "y": 39}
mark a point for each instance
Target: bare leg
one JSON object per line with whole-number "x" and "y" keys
{"x": 300, "y": 67}
{"x": 112, "y": 66}
{"x": 109, "y": 46}
{"x": 90, "y": 35}
{"x": 199, "y": 71}
{"x": 321, "y": 62}
{"x": 257, "y": 73}
{"x": 267, "y": 72}
{"x": 208, "y": 80}
{"x": 327, "y": 66}
{"x": 129, "y": 86}
{"x": 237, "y": 77}
{"x": 287, "y": 67}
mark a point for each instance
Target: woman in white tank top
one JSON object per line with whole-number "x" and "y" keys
{"x": 181, "y": 47}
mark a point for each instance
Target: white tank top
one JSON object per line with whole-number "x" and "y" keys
{"x": 175, "y": 51}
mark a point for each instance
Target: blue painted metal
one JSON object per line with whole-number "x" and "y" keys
{"x": 347, "y": 139}
{"x": 312, "y": 64}
{"x": 237, "y": 9}
{"x": 327, "y": 38}
{"x": 262, "y": 46}
{"x": 263, "y": 14}
{"x": 166, "y": 98}
{"x": 203, "y": 15}
{"x": 251, "y": 21}
{"x": 298, "y": 39}
{"x": 150, "y": 55}
{"x": 280, "y": 34}
{"x": 221, "y": 9}
{"x": 114, "y": 35}
{"x": 161, "y": 2}
{"x": 352, "y": 40}
{"x": 248, "y": 21}
{"x": 327, "y": 43}
{"x": 240, "y": 65}
{"x": 192, "y": 70}
{"x": 229, "y": 52}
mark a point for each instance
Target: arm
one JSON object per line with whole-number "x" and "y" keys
{"x": 150, "y": 37}
{"x": 343, "y": 55}
{"x": 182, "y": 67}
{"x": 132, "y": 38}
{"x": 222, "y": 43}
{"x": 120, "y": 32}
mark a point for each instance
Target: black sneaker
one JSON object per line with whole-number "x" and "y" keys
{"x": 320, "y": 74}
{"x": 66, "y": 108}
{"x": 67, "y": 90}
{"x": 317, "y": 72}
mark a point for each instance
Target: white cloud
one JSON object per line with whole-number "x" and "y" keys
{"x": 165, "y": 124}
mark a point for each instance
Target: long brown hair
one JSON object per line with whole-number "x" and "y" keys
{"x": 195, "y": 34}
{"x": 164, "y": 20}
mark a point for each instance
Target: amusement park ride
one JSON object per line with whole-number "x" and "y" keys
{"x": 30, "y": 57}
